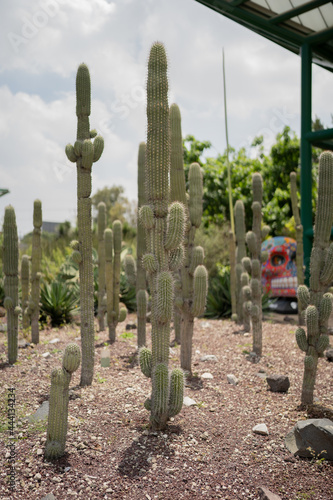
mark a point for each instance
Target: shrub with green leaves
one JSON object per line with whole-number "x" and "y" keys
{"x": 58, "y": 301}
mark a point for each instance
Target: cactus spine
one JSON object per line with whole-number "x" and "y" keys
{"x": 59, "y": 396}
{"x": 253, "y": 297}
{"x": 10, "y": 269}
{"x": 36, "y": 257}
{"x": 164, "y": 226}
{"x": 316, "y": 303}
{"x": 299, "y": 240}
{"x": 135, "y": 272}
{"x": 240, "y": 254}
{"x": 84, "y": 153}
{"x": 25, "y": 279}
{"x": 101, "y": 226}
{"x": 113, "y": 241}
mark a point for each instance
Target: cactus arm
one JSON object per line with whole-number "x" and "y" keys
{"x": 25, "y": 280}
{"x": 101, "y": 226}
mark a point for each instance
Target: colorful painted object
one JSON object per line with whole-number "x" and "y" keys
{"x": 279, "y": 273}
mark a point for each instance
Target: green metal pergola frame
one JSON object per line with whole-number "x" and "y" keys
{"x": 313, "y": 46}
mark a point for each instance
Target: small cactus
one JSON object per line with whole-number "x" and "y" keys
{"x": 240, "y": 254}
{"x": 85, "y": 153}
{"x": 36, "y": 257}
{"x": 113, "y": 239}
{"x": 25, "y": 281}
{"x": 315, "y": 301}
{"x": 101, "y": 226}
{"x": 58, "y": 403}
{"x": 10, "y": 269}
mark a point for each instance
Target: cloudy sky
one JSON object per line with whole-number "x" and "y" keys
{"x": 43, "y": 42}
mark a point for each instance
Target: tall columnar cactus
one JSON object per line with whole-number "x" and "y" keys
{"x": 253, "y": 266}
{"x": 165, "y": 225}
{"x": 115, "y": 314}
{"x": 25, "y": 282}
{"x": 84, "y": 153}
{"x": 315, "y": 301}
{"x": 233, "y": 276}
{"x": 240, "y": 254}
{"x": 135, "y": 271}
{"x": 36, "y": 258}
{"x": 299, "y": 240}
{"x": 10, "y": 269}
{"x": 58, "y": 403}
{"x": 101, "y": 226}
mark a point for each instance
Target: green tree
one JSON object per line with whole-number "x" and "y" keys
{"x": 118, "y": 207}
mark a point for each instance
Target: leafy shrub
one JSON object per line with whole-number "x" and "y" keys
{"x": 214, "y": 240}
{"x": 59, "y": 302}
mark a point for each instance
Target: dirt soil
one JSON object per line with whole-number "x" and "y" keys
{"x": 209, "y": 450}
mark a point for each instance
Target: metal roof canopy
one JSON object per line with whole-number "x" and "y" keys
{"x": 305, "y": 28}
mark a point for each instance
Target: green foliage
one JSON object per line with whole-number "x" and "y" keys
{"x": 213, "y": 239}
{"x": 219, "y": 295}
{"x": 59, "y": 302}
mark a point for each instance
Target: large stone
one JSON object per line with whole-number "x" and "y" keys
{"x": 41, "y": 413}
{"x": 265, "y": 494}
{"x": 311, "y": 438}
{"x": 278, "y": 383}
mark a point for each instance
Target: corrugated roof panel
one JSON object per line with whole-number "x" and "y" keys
{"x": 279, "y": 6}
{"x": 313, "y": 20}
{"x": 327, "y": 11}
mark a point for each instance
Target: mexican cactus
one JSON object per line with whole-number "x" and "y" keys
{"x": 299, "y": 240}
{"x": 25, "y": 282}
{"x": 10, "y": 269}
{"x": 240, "y": 254}
{"x": 165, "y": 226}
{"x": 101, "y": 226}
{"x": 253, "y": 266}
{"x": 58, "y": 403}
{"x": 233, "y": 276}
{"x": 315, "y": 301}
{"x": 115, "y": 315}
{"x": 135, "y": 272}
{"x": 36, "y": 258}
{"x": 85, "y": 153}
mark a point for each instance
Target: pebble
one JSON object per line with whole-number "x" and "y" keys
{"x": 189, "y": 401}
{"x": 207, "y": 375}
{"x": 54, "y": 341}
{"x": 46, "y": 355}
{"x": 209, "y": 357}
{"x": 260, "y": 429}
{"x": 232, "y": 379}
{"x": 39, "y": 451}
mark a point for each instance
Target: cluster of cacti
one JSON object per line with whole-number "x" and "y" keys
{"x": 58, "y": 403}
{"x": 240, "y": 254}
{"x": 101, "y": 226}
{"x": 316, "y": 303}
{"x": 115, "y": 315}
{"x": 84, "y": 153}
{"x": 10, "y": 269}
{"x": 36, "y": 257}
{"x": 299, "y": 240}
{"x": 25, "y": 287}
{"x": 135, "y": 272}
{"x": 191, "y": 290}
{"x": 165, "y": 226}
{"x": 252, "y": 293}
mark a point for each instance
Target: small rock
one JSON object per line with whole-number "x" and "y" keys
{"x": 41, "y": 413}
{"x": 189, "y": 401}
{"x": 329, "y": 355}
{"x": 23, "y": 344}
{"x": 46, "y": 355}
{"x": 261, "y": 375}
{"x": 205, "y": 324}
{"x": 278, "y": 383}
{"x": 204, "y": 436}
{"x": 208, "y": 357}
{"x": 207, "y": 375}
{"x": 260, "y": 429}
{"x": 49, "y": 496}
{"x": 232, "y": 379}
{"x": 265, "y": 494}
{"x": 39, "y": 452}
{"x": 38, "y": 477}
{"x": 131, "y": 326}
{"x": 105, "y": 358}
{"x": 253, "y": 357}
{"x": 54, "y": 341}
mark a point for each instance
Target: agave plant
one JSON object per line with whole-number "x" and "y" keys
{"x": 59, "y": 302}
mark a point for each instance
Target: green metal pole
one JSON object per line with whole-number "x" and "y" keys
{"x": 306, "y": 160}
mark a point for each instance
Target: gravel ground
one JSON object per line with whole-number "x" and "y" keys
{"x": 209, "y": 450}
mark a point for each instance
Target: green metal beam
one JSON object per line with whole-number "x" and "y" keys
{"x": 296, "y": 11}
{"x": 3, "y": 191}
{"x": 318, "y": 135}
{"x": 305, "y": 153}
{"x": 320, "y": 36}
